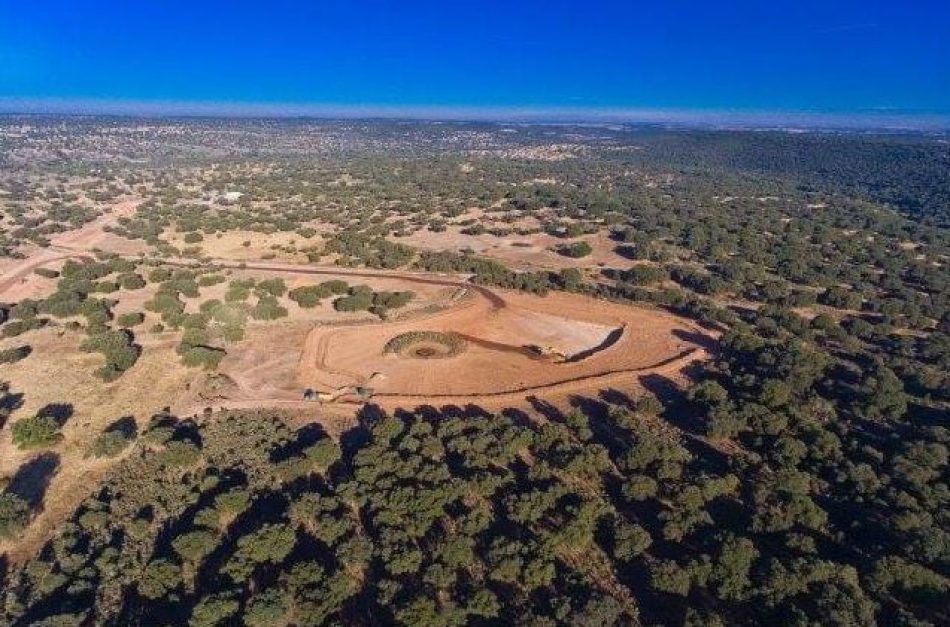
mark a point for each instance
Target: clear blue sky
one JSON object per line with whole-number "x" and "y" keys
{"x": 840, "y": 55}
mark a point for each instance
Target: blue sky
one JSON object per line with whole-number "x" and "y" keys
{"x": 833, "y": 55}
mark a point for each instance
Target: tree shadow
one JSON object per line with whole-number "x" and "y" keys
{"x": 187, "y": 430}
{"x": 627, "y": 251}
{"x": 358, "y": 436}
{"x": 33, "y": 478}
{"x": 9, "y": 402}
{"x": 616, "y": 397}
{"x": 475, "y": 411}
{"x": 546, "y": 409}
{"x": 923, "y": 416}
{"x": 699, "y": 339}
{"x": 598, "y": 412}
{"x": 519, "y": 418}
{"x": 60, "y": 412}
{"x": 677, "y": 409}
{"x": 125, "y": 425}
{"x": 308, "y": 435}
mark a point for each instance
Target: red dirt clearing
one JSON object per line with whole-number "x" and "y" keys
{"x": 610, "y": 342}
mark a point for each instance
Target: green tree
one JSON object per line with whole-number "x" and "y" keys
{"x": 36, "y": 432}
{"x": 159, "y": 578}
{"x": 14, "y": 515}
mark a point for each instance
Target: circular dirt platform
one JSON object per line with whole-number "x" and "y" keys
{"x": 425, "y": 345}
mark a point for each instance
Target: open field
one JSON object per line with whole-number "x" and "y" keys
{"x": 520, "y": 251}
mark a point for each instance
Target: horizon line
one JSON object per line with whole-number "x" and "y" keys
{"x": 872, "y": 118}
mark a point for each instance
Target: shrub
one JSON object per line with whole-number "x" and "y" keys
{"x": 131, "y": 319}
{"x": 182, "y": 282}
{"x": 575, "y": 250}
{"x": 131, "y": 281}
{"x": 335, "y": 286}
{"x": 117, "y": 347}
{"x": 232, "y": 315}
{"x": 180, "y": 453}
{"x": 25, "y": 310}
{"x": 195, "y": 321}
{"x": 360, "y": 298}
{"x": 274, "y": 287}
{"x": 268, "y": 308}
{"x": 193, "y": 237}
{"x": 239, "y": 290}
{"x": 307, "y": 296}
{"x": 15, "y": 354}
{"x": 210, "y": 279}
{"x": 160, "y": 275}
{"x": 697, "y": 280}
{"x": 19, "y": 327}
{"x": 207, "y": 357}
{"x": 109, "y": 444}
{"x": 98, "y": 315}
{"x": 168, "y": 306}
{"x": 36, "y": 432}
{"x": 232, "y": 333}
{"x": 63, "y": 304}
{"x": 383, "y": 301}
{"x": 105, "y": 287}
{"x": 46, "y": 273}
{"x": 645, "y": 274}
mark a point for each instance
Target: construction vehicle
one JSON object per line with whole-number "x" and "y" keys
{"x": 547, "y": 352}
{"x": 355, "y": 393}
{"x": 346, "y": 393}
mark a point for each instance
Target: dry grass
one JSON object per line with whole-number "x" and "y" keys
{"x": 231, "y": 245}
{"x": 520, "y": 251}
{"x": 58, "y": 372}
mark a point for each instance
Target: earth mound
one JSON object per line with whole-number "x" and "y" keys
{"x": 425, "y": 345}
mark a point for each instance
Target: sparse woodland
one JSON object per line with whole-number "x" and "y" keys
{"x": 800, "y": 479}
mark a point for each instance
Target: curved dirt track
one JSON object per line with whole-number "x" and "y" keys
{"x": 497, "y": 367}
{"x": 74, "y": 244}
{"x": 670, "y": 367}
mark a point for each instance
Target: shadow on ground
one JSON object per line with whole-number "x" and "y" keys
{"x": 33, "y": 478}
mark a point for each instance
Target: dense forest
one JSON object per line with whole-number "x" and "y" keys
{"x": 908, "y": 172}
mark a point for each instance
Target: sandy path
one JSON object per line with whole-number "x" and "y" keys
{"x": 71, "y": 244}
{"x": 21, "y": 271}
